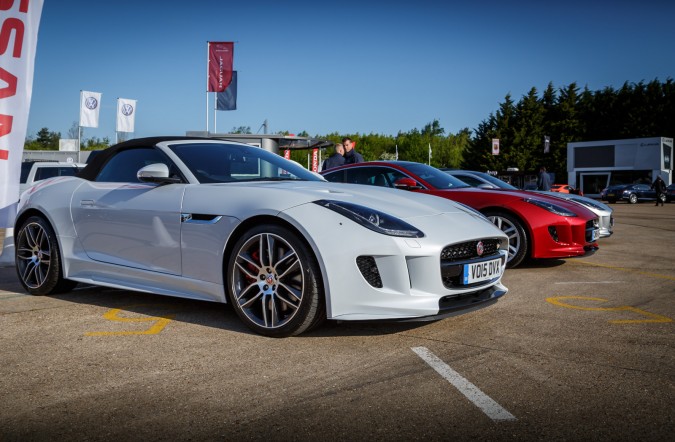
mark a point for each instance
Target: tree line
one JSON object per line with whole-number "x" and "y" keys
{"x": 45, "y": 139}
{"x": 565, "y": 114}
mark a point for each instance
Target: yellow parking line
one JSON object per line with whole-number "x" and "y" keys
{"x": 560, "y": 301}
{"x": 113, "y": 315}
{"x": 623, "y": 269}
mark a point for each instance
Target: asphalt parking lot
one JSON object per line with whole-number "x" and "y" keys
{"x": 579, "y": 349}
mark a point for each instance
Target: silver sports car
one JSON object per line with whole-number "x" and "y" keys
{"x": 226, "y": 222}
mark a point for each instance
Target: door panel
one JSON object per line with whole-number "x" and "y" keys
{"x": 135, "y": 225}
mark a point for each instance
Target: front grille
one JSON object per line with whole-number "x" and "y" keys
{"x": 454, "y": 257}
{"x": 468, "y": 250}
{"x": 591, "y": 226}
{"x": 368, "y": 268}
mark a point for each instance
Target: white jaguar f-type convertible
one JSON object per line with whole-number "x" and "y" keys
{"x": 227, "y": 222}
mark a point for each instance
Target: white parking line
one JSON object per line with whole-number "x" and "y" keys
{"x": 589, "y": 282}
{"x": 487, "y": 405}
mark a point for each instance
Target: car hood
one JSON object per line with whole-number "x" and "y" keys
{"x": 588, "y": 202}
{"x": 504, "y": 196}
{"x": 280, "y": 196}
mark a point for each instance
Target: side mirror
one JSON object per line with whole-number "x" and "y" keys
{"x": 486, "y": 186}
{"x": 156, "y": 173}
{"x": 406, "y": 184}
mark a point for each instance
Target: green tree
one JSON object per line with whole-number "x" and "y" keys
{"x": 47, "y": 140}
{"x": 241, "y": 130}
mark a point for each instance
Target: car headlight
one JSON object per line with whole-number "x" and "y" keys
{"x": 553, "y": 208}
{"x": 372, "y": 219}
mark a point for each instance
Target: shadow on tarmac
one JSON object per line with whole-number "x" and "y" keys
{"x": 203, "y": 313}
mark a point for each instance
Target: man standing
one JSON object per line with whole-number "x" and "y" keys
{"x": 544, "y": 181}
{"x": 660, "y": 187}
{"x": 335, "y": 160}
{"x": 351, "y": 155}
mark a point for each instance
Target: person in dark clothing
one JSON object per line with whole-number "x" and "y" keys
{"x": 544, "y": 181}
{"x": 335, "y": 160}
{"x": 660, "y": 187}
{"x": 351, "y": 155}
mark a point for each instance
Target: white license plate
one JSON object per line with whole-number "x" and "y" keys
{"x": 482, "y": 271}
{"x": 595, "y": 233}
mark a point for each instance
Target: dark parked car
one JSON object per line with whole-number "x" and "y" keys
{"x": 670, "y": 193}
{"x": 632, "y": 193}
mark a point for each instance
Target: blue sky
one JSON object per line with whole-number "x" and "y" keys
{"x": 348, "y": 67}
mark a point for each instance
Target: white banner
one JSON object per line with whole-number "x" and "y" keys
{"x": 90, "y": 104}
{"x": 19, "y": 25}
{"x": 495, "y": 146}
{"x": 126, "y": 112}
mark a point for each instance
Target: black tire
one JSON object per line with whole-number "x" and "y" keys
{"x": 274, "y": 283}
{"x": 632, "y": 198}
{"x": 38, "y": 259}
{"x": 519, "y": 241}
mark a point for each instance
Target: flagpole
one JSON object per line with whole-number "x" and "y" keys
{"x": 79, "y": 128}
{"x": 117, "y": 118}
{"x": 215, "y": 115}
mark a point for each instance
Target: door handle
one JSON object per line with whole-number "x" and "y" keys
{"x": 86, "y": 202}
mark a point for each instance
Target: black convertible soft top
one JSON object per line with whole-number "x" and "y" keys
{"x": 92, "y": 169}
{"x": 90, "y": 172}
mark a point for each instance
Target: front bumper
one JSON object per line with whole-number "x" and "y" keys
{"x": 573, "y": 238}
{"x": 459, "y": 305}
{"x": 376, "y": 277}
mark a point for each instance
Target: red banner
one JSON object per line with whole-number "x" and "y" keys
{"x": 221, "y": 55}
{"x": 315, "y": 160}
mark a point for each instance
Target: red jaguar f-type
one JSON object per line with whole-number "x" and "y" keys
{"x": 538, "y": 226}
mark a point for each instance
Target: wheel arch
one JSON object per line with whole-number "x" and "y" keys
{"x": 282, "y": 222}
{"x": 18, "y": 222}
{"x": 526, "y": 225}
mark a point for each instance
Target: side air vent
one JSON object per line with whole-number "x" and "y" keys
{"x": 368, "y": 268}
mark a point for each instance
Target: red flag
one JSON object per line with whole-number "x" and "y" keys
{"x": 221, "y": 55}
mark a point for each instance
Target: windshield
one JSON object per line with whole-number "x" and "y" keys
{"x": 494, "y": 180}
{"x": 226, "y": 163}
{"x": 437, "y": 178}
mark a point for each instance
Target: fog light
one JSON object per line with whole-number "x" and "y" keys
{"x": 553, "y": 232}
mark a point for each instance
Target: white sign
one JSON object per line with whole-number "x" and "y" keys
{"x": 18, "y": 38}
{"x": 495, "y": 146}
{"x": 68, "y": 145}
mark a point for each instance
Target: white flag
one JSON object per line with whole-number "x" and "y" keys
{"x": 126, "y": 112}
{"x": 90, "y": 103}
{"x": 16, "y": 83}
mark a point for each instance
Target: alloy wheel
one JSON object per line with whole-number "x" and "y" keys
{"x": 267, "y": 280}
{"x": 510, "y": 229}
{"x": 33, "y": 255}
